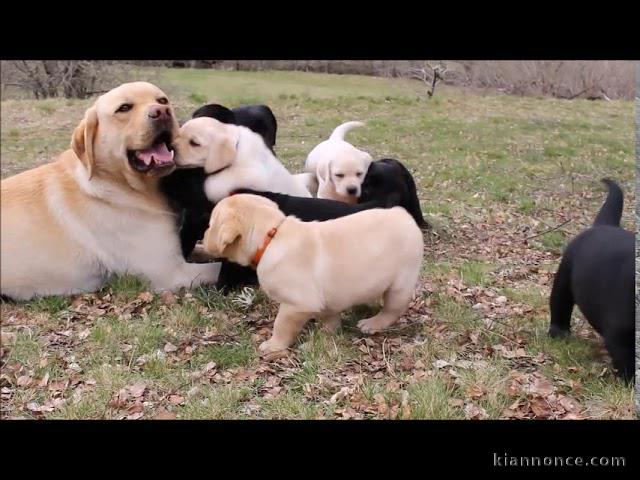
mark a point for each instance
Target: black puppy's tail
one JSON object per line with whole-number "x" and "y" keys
{"x": 611, "y": 211}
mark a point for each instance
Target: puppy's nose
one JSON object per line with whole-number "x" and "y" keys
{"x": 352, "y": 190}
{"x": 159, "y": 112}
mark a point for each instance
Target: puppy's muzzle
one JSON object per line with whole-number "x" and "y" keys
{"x": 352, "y": 190}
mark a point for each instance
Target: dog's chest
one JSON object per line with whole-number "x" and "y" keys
{"x": 124, "y": 238}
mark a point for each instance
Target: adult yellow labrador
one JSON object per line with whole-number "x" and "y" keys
{"x": 96, "y": 210}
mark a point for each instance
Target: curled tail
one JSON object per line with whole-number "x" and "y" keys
{"x": 611, "y": 211}
{"x": 341, "y": 131}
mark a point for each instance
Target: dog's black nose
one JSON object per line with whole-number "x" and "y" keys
{"x": 159, "y": 112}
{"x": 352, "y": 190}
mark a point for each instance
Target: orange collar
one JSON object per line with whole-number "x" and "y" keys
{"x": 260, "y": 252}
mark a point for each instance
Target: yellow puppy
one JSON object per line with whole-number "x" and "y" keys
{"x": 97, "y": 209}
{"x": 339, "y": 167}
{"x": 318, "y": 269}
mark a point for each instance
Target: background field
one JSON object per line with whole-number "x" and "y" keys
{"x": 494, "y": 173}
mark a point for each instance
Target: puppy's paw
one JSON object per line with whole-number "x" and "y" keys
{"x": 557, "y": 332}
{"x": 372, "y": 325}
{"x": 271, "y": 346}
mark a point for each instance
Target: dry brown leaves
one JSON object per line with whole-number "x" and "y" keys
{"x": 538, "y": 397}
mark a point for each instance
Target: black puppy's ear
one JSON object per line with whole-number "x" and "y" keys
{"x": 217, "y": 111}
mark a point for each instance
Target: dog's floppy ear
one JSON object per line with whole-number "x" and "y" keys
{"x": 223, "y": 148}
{"x": 228, "y": 232}
{"x": 221, "y": 234}
{"x": 83, "y": 137}
{"x": 367, "y": 159}
{"x": 324, "y": 171}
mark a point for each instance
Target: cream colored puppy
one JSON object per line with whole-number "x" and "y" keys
{"x": 96, "y": 210}
{"x": 235, "y": 157}
{"x": 339, "y": 166}
{"x": 318, "y": 269}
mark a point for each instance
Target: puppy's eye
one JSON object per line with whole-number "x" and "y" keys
{"x": 125, "y": 107}
{"x": 340, "y": 175}
{"x": 163, "y": 100}
{"x": 193, "y": 143}
{"x": 359, "y": 174}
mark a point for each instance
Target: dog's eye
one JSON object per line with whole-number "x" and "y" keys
{"x": 163, "y": 100}
{"x": 125, "y": 107}
{"x": 193, "y": 143}
{"x": 359, "y": 174}
{"x": 340, "y": 175}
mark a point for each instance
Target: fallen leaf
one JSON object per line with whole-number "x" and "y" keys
{"x": 176, "y": 399}
{"x": 168, "y": 298}
{"x": 75, "y": 367}
{"x": 146, "y": 297}
{"x": 34, "y": 407}
{"x": 84, "y": 334}
{"x": 165, "y": 415}
{"x": 7, "y": 338}
{"x": 540, "y": 386}
{"x": 475, "y": 412}
{"x": 569, "y": 404}
{"x": 137, "y": 390}
{"x": 476, "y": 391}
{"x": 209, "y": 366}
{"x": 44, "y": 381}
{"x": 541, "y": 408}
{"x": 169, "y": 347}
{"x": 407, "y": 363}
{"x": 440, "y": 363}
{"x": 23, "y": 381}
{"x": 58, "y": 385}
{"x": 573, "y": 416}
{"x": 136, "y": 408}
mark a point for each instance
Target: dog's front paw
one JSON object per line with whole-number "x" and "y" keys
{"x": 271, "y": 346}
{"x": 371, "y": 325}
{"x": 557, "y": 332}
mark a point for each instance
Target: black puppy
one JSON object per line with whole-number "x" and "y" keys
{"x": 321, "y": 209}
{"x": 307, "y": 210}
{"x": 259, "y": 118}
{"x": 184, "y": 188}
{"x": 390, "y": 177}
{"x": 597, "y": 274}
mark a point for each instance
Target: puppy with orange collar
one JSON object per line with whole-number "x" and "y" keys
{"x": 318, "y": 269}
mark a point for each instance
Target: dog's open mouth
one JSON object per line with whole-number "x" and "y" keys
{"x": 158, "y": 156}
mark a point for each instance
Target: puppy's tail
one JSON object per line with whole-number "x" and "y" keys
{"x": 611, "y": 211}
{"x": 341, "y": 131}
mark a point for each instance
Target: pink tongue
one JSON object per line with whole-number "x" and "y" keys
{"x": 159, "y": 153}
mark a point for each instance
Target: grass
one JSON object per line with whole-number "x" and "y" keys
{"x": 491, "y": 171}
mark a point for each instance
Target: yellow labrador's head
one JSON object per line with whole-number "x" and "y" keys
{"x": 235, "y": 225}
{"x": 206, "y": 142}
{"x": 346, "y": 171}
{"x": 129, "y": 130}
